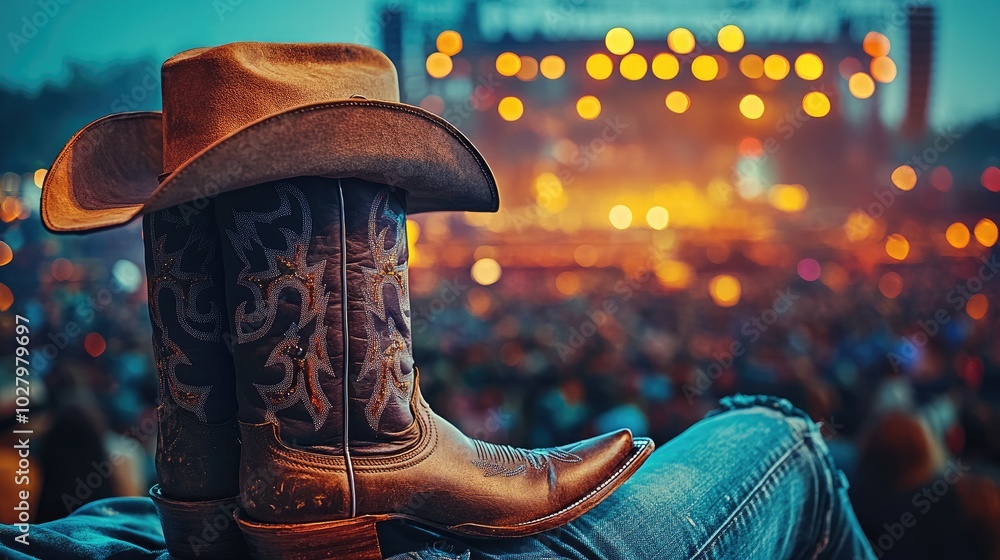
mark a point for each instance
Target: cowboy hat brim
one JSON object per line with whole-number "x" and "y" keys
{"x": 108, "y": 172}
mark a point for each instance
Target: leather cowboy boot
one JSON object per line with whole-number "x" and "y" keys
{"x": 197, "y": 446}
{"x": 336, "y": 436}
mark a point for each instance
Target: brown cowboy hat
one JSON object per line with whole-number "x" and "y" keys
{"x": 248, "y": 113}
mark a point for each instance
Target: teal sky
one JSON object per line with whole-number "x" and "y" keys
{"x": 966, "y": 83}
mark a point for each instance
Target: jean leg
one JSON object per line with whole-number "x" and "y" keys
{"x": 753, "y": 480}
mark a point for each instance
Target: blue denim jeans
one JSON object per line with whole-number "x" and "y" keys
{"x": 753, "y": 480}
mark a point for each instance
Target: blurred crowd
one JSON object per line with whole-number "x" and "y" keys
{"x": 906, "y": 388}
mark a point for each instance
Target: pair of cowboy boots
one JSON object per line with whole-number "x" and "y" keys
{"x": 281, "y": 329}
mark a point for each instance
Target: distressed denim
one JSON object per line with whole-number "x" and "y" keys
{"x": 753, "y": 480}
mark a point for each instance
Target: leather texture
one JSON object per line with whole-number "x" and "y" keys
{"x": 197, "y": 451}
{"x": 241, "y": 114}
{"x": 284, "y": 252}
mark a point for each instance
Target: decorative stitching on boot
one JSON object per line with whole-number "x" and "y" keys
{"x": 186, "y": 286}
{"x": 303, "y": 361}
{"x": 384, "y": 353}
{"x": 504, "y": 460}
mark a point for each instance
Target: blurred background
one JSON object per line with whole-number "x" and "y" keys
{"x": 790, "y": 197}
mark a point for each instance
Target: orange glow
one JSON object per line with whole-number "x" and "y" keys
{"x": 725, "y": 290}
{"x": 957, "y": 235}
{"x": 751, "y": 147}
{"x": 986, "y": 232}
{"x": 552, "y": 67}
{"x": 859, "y": 226}
{"x": 816, "y": 104}
{"x": 94, "y": 344}
{"x": 731, "y": 38}
{"x": 633, "y": 67}
{"x": 438, "y": 65}
{"x": 788, "y": 198}
{"x": 588, "y": 107}
{"x": 529, "y": 69}
{"x": 666, "y": 66}
{"x": 39, "y": 177}
{"x": 6, "y": 254}
{"x": 510, "y": 108}
{"x": 486, "y": 271}
{"x": 876, "y": 44}
{"x": 6, "y": 297}
{"x": 449, "y": 42}
{"x": 752, "y": 107}
{"x": 705, "y": 68}
{"x": 678, "y": 101}
{"x": 861, "y": 85}
{"x": 752, "y": 66}
{"x": 585, "y": 255}
{"x": 776, "y": 67}
{"x": 897, "y": 247}
{"x": 674, "y": 275}
{"x": 619, "y": 40}
{"x": 568, "y": 283}
{"x": 904, "y": 177}
{"x": 883, "y": 69}
{"x": 508, "y": 64}
{"x": 808, "y": 66}
{"x": 977, "y": 306}
{"x": 891, "y": 285}
{"x": 599, "y": 66}
{"x": 681, "y": 41}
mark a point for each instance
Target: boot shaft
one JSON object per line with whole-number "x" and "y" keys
{"x": 298, "y": 253}
{"x": 197, "y": 449}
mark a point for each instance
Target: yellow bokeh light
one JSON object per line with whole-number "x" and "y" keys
{"x": 752, "y": 107}
{"x": 633, "y": 66}
{"x": 588, "y": 107}
{"x": 897, "y": 247}
{"x": 808, "y": 66}
{"x": 486, "y": 271}
{"x": 508, "y": 64}
{"x": 731, "y": 38}
{"x": 552, "y": 67}
{"x": 40, "y": 177}
{"x": 776, "y": 67}
{"x": 675, "y": 275}
{"x": 620, "y": 216}
{"x": 958, "y": 235}
{"x": 681, "y": 40}
{"x": 599, "y": 66}
{"x": 619, "y": 40}
{"x": 883, "y": 69}
{"x": 529, "y": 69}
{"x": 788, "y": 198}
{"x": 977, "y": 306}
{"x": 816, "y": 104}
{"x": 666, "y": 66}
{"x": 876, "y": 44}
{"x": 986, "y": 232}
{"x": 904, "y": 177}
{"x": 449, "y": 42}
{"x": 891, "y": 285}
{"x": 678, "y": 101}
{"x": 725, "y": 290}
{"x": 438, "y": 65}
{"x": 658, "y": 217}
{"x": 861, "y": 85}
{"x": 705, "y": 68}
{"x": 568, "y": 283}
{"x": 510, "y": 108}
{"x": 752, "y": 66}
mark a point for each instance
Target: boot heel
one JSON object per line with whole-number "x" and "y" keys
{"x": 203, "y": 530}
{"x": 354, "y": 538}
